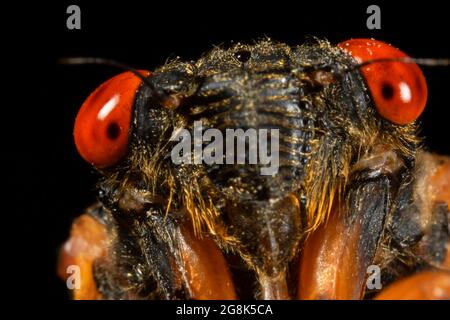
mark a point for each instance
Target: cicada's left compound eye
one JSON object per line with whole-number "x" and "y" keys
{"x": 399, "y": 89}
{"x": 102, "y": 126}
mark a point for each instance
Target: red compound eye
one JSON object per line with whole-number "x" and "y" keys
{"x": 103, "y": 123}
{"x": 399, "y": 89}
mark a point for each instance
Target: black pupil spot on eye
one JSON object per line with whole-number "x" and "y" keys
{"x": 242, "y": 55}
{"x": 387, "y": 91}
{"x": 113, "y": 131}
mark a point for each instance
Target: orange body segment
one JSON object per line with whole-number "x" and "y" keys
{"x": 88, "y": 242}
{"x": 205, "y": 270}
{"x": 426, "y": 285}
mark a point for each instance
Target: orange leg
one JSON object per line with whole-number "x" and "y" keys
{"x": 329, "y": 265}
{"x": 198, "y": 266}
{"x": 332, "y": 265}
{"x": 426, "y": 285}
{"x": 88, "y": 242}
{"x": 204, "y": 268}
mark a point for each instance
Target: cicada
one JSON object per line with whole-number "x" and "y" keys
{"x": 354, "y": 190}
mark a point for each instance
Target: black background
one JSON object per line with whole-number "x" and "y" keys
{"x": 52, "y": 184}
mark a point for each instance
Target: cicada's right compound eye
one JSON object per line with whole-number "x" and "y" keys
{"x": 102, "y": 126}
{"x": 399, "y": 89}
